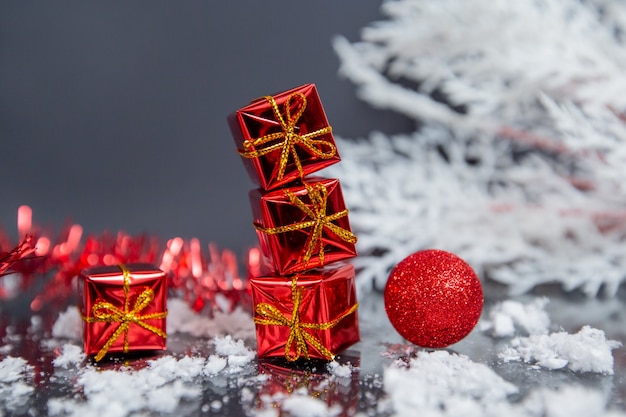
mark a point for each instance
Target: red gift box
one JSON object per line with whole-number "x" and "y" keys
{"x": 124, "y": 308}
{"x": 284, "y": 137}
{"x": 311, "y": 315}
{"x": 302, "y": 227}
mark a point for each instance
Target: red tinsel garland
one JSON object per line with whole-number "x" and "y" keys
{"x": 204, "y": 279}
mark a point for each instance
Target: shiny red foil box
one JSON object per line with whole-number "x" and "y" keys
{"x": 275, "y": 140}
{"x": 283, "y": 379}
{"x": 325, "y": 295}
{"x": 102, "y": 292}
{"x": 317, "y": 228}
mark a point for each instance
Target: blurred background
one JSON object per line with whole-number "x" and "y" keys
{"x": 114, "y": 116}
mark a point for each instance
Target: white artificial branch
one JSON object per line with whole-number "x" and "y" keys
{"x": 518, "y": 162}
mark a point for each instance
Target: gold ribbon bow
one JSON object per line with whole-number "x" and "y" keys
{"x": 319, "y": 220}
{"x": 298, "y": 334}
{"x": 103, "y": 311}
{"x": 290, "y": 137}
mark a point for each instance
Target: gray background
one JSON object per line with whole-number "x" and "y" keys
{"x": 112, "y": 114}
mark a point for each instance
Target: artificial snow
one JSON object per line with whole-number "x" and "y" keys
{"x": 437, "y": 383}
{"x": 439, "y": 380}
{"x": 228, "y": 346}
{"x": 69, "y": 325}
{"x": 302, "y": 405}
{"x": 298, "y": 403}
{"x": 340, "y": 371}
{"x": 117, "y": 393}
{"x": 214, "y": 365}
{"x": 586, "y": 351}
{"x": 160, "y": 387}
{"x": 182, "y": 319}
{"x": 36, "y": 323}
{"x": 237, "y": 354}
{"x": 440, "y": 384}
{"x": 508, "y": 317}
{"x": 568, "y": 401}
{"x": 71, "y": 355}
{"x": 15, "y": 387}
{"x": 13, "y": 370}
{"x": 185, "y": 369}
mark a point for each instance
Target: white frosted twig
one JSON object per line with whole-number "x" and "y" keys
{"x": 519, "y": 161}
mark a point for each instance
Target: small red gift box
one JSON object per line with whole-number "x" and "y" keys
{"x": 311, "y": 315}
{"x": 302, "y": 227}
{"x": 284, "y": 137}
{"x": 124, "y": 308}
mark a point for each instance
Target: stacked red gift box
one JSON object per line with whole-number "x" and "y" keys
{"x": 304, "y": 296}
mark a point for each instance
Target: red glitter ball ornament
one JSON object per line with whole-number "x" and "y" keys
{"x": 433, "y": 298}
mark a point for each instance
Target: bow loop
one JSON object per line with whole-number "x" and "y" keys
{"x": 299, "y": 107}
{"x": 143, "y": 300}
{"x": 105, "y": 311}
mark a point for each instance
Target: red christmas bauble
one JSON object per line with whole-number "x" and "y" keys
{"x": 433, "y": 298}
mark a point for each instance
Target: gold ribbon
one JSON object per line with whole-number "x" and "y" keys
{"x": 319, "y": 220}
{"x": 298, "y": 334}
{"x": 103, "y": 311}
{"x": 290, "y": 137}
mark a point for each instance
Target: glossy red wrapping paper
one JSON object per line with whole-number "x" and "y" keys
{"x": 258, "y": 119}
{"x": 106, "y": 284}
{"x": 284, "y": 253}
{"x": 327, "y": 293}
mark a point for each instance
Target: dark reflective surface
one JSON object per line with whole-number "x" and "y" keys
{"x": 261, "y": 385}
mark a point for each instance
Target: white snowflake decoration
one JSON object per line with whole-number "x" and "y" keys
{"x": 519, "y": 161}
